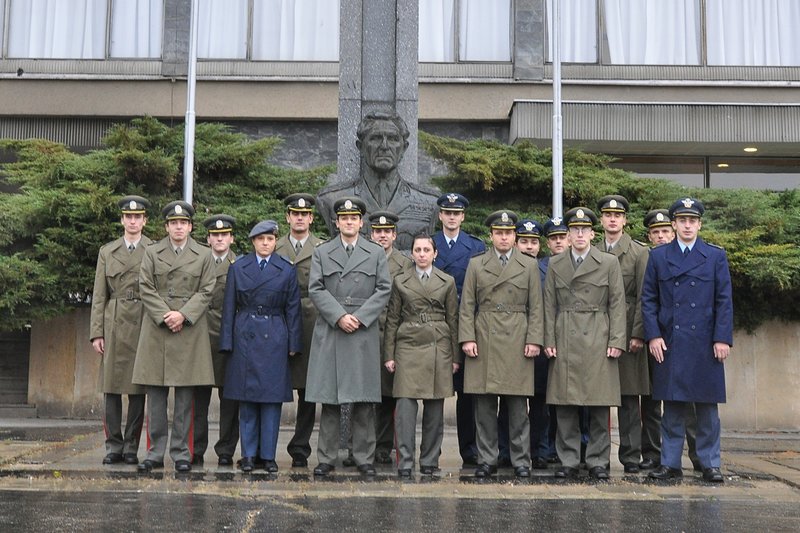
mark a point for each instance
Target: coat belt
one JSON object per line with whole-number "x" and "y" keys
{"x": 262, "y": 310}
{"x": 581, "y": 309}
{"x": 427, "y": 317}
{"x": 347, "y": 300}
{"x": 129, "y": 295}
{"x": 503, "y": 308}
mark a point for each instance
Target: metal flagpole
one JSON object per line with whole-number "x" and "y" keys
{"x": 188, "y": 143}
{"x": 558, "y": 170}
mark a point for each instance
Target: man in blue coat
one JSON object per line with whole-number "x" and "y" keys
{"x": 687, "y": 309}
{"x": 455, "y": 249}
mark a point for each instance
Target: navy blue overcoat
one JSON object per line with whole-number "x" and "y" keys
{"x": 688, "y": 302}
{"x": 455, "y": 260}
{"x": 261, "y": 324}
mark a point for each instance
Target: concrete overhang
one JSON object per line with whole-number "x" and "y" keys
{"x": 660, "y": 128}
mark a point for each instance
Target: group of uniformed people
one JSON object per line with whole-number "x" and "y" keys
{"x": 536, "y": 350}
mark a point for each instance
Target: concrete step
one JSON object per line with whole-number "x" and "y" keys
{"x": 17, "y": 410}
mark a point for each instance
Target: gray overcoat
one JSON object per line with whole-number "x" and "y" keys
{"x": 345, "y": 367}
{"x": 214, "y": 317}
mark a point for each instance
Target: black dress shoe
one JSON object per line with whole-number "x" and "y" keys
{"x": 323, "y": 469}
{"x": 469, "y": 461}
{"x": 366, "y": 469}
{"x": 147, "y": 465}
{"x": 566, "y": 472}
{"x": 271, "y": 466}
{"x": 539, "y": 463}
{"x": 649, "y": 464}
{"x": 485, "y": 470}
{"x": 247, "y": 464}
{"x": 225, "y": 460}
{"x": 112, "y": 458}
{"x": 298, "y": 461}
{"x": 130, "y": 458}
{"x": 522, "y": 471}
{"x": 631, "y": 468}
{"x": 599, "y": 473}
{"x": 404, "y": 473}
{"x": 183, "y": 466}
{"x": 198, "y": 459}
{"x": 383, "y": 458}
{"x": 697, "y": 467}
{"x": 350, "y": 461}
{"x": 712, "y": 475}
{"x": 664, "y": 473}
{"x": 427, "y": 470}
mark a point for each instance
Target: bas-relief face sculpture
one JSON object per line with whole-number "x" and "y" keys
{"x": 383, "y": 146}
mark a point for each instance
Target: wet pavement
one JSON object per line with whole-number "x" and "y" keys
{"x": 51, "y": 478}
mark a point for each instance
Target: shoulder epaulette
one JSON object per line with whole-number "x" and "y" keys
{"x": 715, "y": 246}
{"x": 285, "y": 258}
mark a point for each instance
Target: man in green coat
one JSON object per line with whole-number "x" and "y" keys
{"x": 500, "y": 331}
{"x": 219, "y": 238}
{"x": 350, "y": 285}
{"x": 298, "y": 246}
{"x": 584, "y": 321}
{"x": 383, "y": 226}
{"x": 175, "y": 282}
{"x": 634, "y": 379}
{"x": 116, "y": 320}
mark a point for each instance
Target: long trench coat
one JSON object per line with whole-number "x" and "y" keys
{"x": 261, "y": 324}
{"x": 396, "y": 262}
{"x": 634, "y": 375}
{"x": 169, "y": 282}
{"x": 214, "y": 317}
{"x": 421, "y": 334}
{"x": 688, "y": 302}
{"x": 584, "y": 315}
{"x": 117, "y": 313}
{"x": 501, "y": 310}
{"x": 298, "y": 363}
{"x": 345, "y": 367}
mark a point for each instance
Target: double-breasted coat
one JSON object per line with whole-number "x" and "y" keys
{"x": 421, "y": 334}
{"x": 298, "y": 363}
{"x": 117, "y": 313}
{"x": 170, "y": 282}
{"x": 688, "y": 302}
{"x": 214, "y": 317}
{"x": 501, "y": 310}
{"x": 261, "y": 324}
{"x": 584, "y": 315}
{"x": 396, "y": 262}
{"x": 455, "y": 260}
{"x": 345, "y": 367}
{"x": 634, "y": 375}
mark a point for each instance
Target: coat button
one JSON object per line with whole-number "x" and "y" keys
{"x": 677, "y": 283}
{"x": 691, "y": 304}
{"x": 677, "y": 327}
{"x": 677, "y": 305}
{"x": 169, "y": 276}
{"x": 266, "y": 336}
{"x": 692, "y": 327}
{"x": 692, "y": 284}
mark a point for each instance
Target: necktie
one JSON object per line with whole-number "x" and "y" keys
{"x": 178, "y": 251}
{"x": 218, "y": 260}
{"x": 348, "y": 249}
{"x": 609, "y": 248}
{"x": 424, "y": 278}
{"x": 578, "y": 261}
{"x": 686, "y": 252}
{"x": 503, "y": 260}
{"x": 450, "y": 243}
{"x": 131, "y": 248}
{"x": 297, "y": 247}
{"x": 262, "y": 264}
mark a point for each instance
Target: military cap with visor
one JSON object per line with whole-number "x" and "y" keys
{"x": 299, "y": 202}
{"x": 133, "y": 204}
{"x": 690, "y": 207}
{"x": 452, "y": 201}
{"x": 657, "y": 218}
{"x": 383, "y": 220}
{"x": 555, "y": 226}
{"x": 269, "y": 227}
{"x": 349, "y": 205}
{"x": 613, "y": 203}
{"x": 528, "y": 227}
{"x": 219, "y": 223}
{"x": 178, "y": 210}
{"x": 502, "y": 220}
{"x": 580, "y": 216}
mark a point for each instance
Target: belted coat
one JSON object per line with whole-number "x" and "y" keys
{"x": 117, "y": 313}
{"x": 421, "y": 334}
{"x": 345, "y": 367}
{"x": 396, "y": 262}
{"x": 214, "y": 317}
{"x": 584, "y": 315}
{"x": 298, "y": 364}
{"x": 501, "y": 310}
{"x": 169, "y": 282}
{"x": 261, "y": 324}
{"x": 634, "y": 375}
{"x": 688, "y": 302}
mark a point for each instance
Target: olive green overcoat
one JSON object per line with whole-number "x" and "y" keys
{"x": 214, "y": 317}
{"x": 397, "y": 262}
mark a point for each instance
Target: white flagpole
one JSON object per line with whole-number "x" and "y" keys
{"x": 558, "y": 170}
{"x": 188, "y": 144}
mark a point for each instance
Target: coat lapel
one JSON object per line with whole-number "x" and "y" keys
{"x": 250, "y": 267}
{"x": 685, "y": 264}
{"x": 589, "y": 265}
{"x": 561, "y": 265}
{"x": 358, "y": 256}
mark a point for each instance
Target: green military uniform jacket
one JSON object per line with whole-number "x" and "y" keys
{"x": 214, "y": 316}
{"x": 298, "y": 363}
{"x": 397, "y": 263}
{"x": 117, "y": 313}
{"x": 584, "y": 314}
{"x": 170, "y": 282}
{"x": 634, "y": 378}
{"x": 421, "y": 334}
{"x": 501, "y": 310}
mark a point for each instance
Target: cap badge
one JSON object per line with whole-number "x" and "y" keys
{"x": 580, "y": 214}
{"x": 220, "y": 224}
{"x": 178, "y": 210}
{"x": 452, "y": 198}
{"x": 132, "y": 205}
{"x": 382, "y": 220}
{"x": 687, "y": 202}
{"x": 612, "y": 204}
{"x": 504, "y": 217}
{"x": 528, "y": 226}
{"x": 301, "y": 202}
{"x": 348, "y": 204}
{"x": 556, "y": 221}
{"x": 660, "y": 217}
